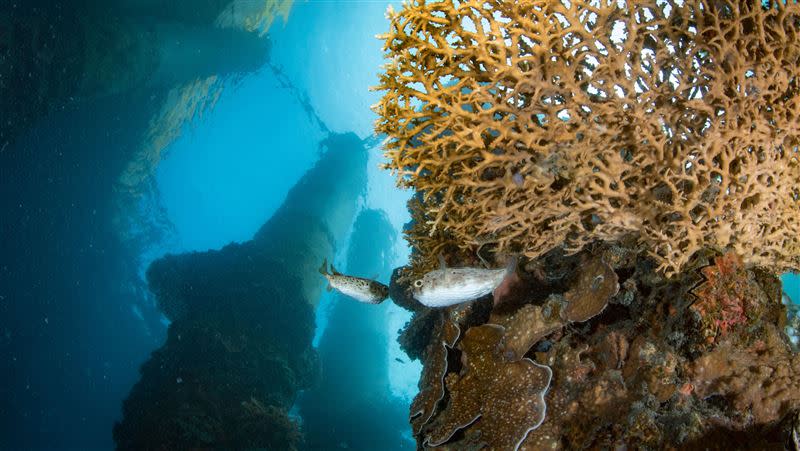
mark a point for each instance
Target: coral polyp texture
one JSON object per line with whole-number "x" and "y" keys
{"x": 505, "y": 398}
{"x": 533, "y": 124}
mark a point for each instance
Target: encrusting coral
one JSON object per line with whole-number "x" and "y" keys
{"x": 761, "y": 380}
{"x": 532, "y": 124}
{"x": 432, "y": 389}
{"x": 642, "y": 372}
{"x": 505, "y": 397}
{"x": 597, "y": 283}
{"x": 527, "y": 326}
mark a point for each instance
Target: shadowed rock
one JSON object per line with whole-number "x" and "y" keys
{"x": 239, "y": 346}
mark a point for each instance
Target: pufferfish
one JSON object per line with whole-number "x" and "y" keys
{"x": 363, "y": 290}
{"x": 444, "y": 287}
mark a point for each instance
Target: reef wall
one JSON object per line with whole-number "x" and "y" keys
{"x": 242, "y": 320}
{"x": 598, "y": 350}
{"x": 341, "y": 410}
{"x": 642, "y": 158}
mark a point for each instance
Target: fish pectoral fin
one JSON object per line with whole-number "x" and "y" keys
{"x": 334, "y": 271}
{"x": 328, "y": 287}
{"x": 442, "y": 263}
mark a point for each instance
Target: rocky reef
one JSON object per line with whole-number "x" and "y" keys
{"x": 641, "y": 366}
{"x": 242, "y": 319}
{"x": 642, "y": 157}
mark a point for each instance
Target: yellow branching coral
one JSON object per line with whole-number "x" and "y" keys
{"x": 541, "y": 123}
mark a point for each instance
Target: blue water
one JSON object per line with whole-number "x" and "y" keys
{"x": 70, "y": 344}
{"x": 214, "y": 198}
{"x": 791, "y": 285}
{"x": 76, "y": 319}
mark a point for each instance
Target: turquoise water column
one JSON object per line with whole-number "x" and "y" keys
{"x": 791, "y": 289}
{"x": 354, "y": 383}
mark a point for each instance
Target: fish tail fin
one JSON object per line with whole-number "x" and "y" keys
{"x": 511, "y": 266}
{"x": 510, "y": 277}
{"x": 324, "y": 268}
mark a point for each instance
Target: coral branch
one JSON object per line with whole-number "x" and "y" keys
{"x": 553, "y": 122}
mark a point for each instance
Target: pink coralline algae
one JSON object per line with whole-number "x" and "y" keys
{"x": 727, "y": 297}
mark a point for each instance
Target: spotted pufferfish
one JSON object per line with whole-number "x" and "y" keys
{"x": 445, "y": 286}
{"x": 363, "y": 290}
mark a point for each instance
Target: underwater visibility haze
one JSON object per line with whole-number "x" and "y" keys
{"x": 373, "y": 225}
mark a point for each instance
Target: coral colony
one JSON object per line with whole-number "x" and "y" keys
{"x": 642, "y": 158}
{"x": 675, "y": 124}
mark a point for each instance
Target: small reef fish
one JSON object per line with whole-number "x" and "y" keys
{"x": 444, "y": 287}
{"x": 363, "y": 290}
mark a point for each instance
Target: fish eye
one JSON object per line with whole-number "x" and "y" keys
{"x": 418, "y": 283}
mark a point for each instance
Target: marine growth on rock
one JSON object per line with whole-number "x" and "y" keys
{"x": 506, "y": 398}
{"x": 643, "y": 159}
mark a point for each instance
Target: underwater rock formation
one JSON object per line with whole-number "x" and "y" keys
{"x": 242, "y": 320}
{"x": 643, "y": 157}
{"x": 241, "y": 14}
{"x": 531, "y": 124}
{"x": 351, "y": 406}
{"x": 641, "y": 373}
